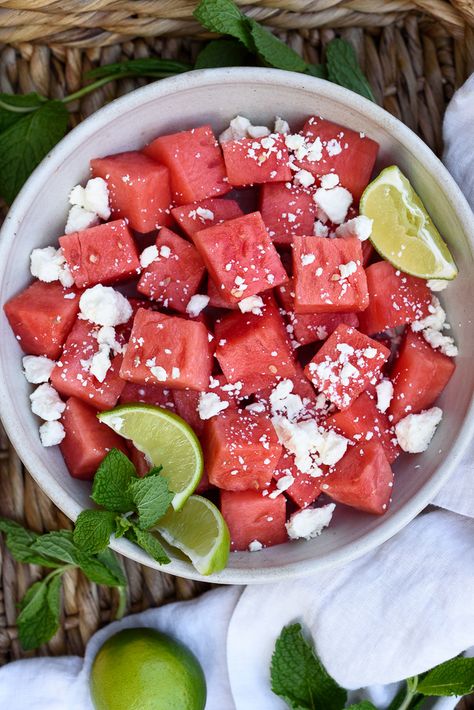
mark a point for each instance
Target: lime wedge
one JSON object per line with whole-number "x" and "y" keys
{"x": 200, "y": 531}
{"x": 402, "y": 231}
{"x": 166, "y": 440}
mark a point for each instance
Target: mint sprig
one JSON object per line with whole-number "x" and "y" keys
{"x": 300, "y": 679}
{"x": 130, "y": 507}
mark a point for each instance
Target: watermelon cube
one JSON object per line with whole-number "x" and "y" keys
{"x": 72, "y": 377}
{"x": 41, "y": 317}
{"x": 199, "y": 215}
{"x": 186, "y": 401}
{"x": 241, "y": 450}
{"x": 306, "y": 328}
{"x": 251, "y": 517}
{"x": 240, "y": 257}
{"x": 216, "y": 299}
{"x": 139, "y": 189}
{"x": 395, "y": 298}
{"x": 345, "y": 365}
{"x": 195, "y": 162}
{"x": 147, "y": 394}
{"x": 249, "y": 161}
{"x": 328, "y": 275}
{"x": 362, "y": 479}
{"x": 174, "y": 276}
{"x": 349, "y": 154}
{"x": 104, "y": 254}
{"x": 87, "y": 440}
{"x": 305, "y": 489}
{"x": 167, "y": 351}
{"x": 419, "y": 375}
{"x": 363, "y": 422}
{"x": 287, "y": 210}
{"x": 254, "y": 349}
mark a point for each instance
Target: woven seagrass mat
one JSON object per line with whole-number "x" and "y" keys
{"x": 415, "y": 55}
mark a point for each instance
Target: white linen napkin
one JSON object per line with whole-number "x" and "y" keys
{"x": 393, "y": 613}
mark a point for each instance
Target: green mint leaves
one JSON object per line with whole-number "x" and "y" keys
{"x": 130, "y": 506}
{"x": 343, "y": 68}
{"x": 300, "y": 679}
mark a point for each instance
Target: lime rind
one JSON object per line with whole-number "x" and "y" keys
{"x": 166, "y": 440}
{"x": 200, "y": 532}
{"x": 402, "y": 231}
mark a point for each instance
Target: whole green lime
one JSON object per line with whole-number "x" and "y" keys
{"x": 142, "y": 669}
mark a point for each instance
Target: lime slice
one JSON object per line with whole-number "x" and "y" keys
{"x": 402, "y": 231}
{"x": 200, "y": 531}
{"x": 166, "y": 440}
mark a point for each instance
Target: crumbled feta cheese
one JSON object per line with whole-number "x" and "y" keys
{"x": 159, "y": 373}
{"x": 106, "y": 336}
{"x": 444, "y": 342}
{"x": 255, "y": 408}
{"x": 332, "y": 448}
{"x": 360, "y": 227}
{"x": 333, "y": 147}
{"x": 281, "y": 126}
{"x": 294, "y": 142}
{"x": 49, "y": 265}
{"x": 437, "y": 284}
{"x": 148, "y": 256}
{"x": 435, "y": 320}
{"x": 307, "y": 259}
{"x": 320, "y": 229}
{"x": 284, "y": 483}
{"x": 240, "y": 127}
{"x": 309, "y": 522}
{"x": 204, "y": 214}
{"x": 175, "y": 373}
{"x": 329, "y": 181}
{"x": 79, "y": 219}
{"x": 310, "y": 444}
{"x": 348, "y": 269}
{"x": 384, "y": 391}
{"x": 96, "y": 198}
{"x": 334, "y": 202}
{"x": 37, "y": 369}
{"x": 251, "y": 304}
{"x": 415, "y": 431}
{"x": 282, "y": 401}
{"x": 304, "y": 178}
{"x": 210, "y": 405}
{"x": 100, "y": 363}
{"x": 46, "y": 403}
{"x": 255, "y": 546}
{"x": 258, "y": 131}
{"x": 165, "y": 251}
{"x": 51, "y": 433}
{"x": 104, "y": 305}
{"x": 196, "y": 304}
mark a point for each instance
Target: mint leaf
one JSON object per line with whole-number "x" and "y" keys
{"x": 318, "y": 70}
{"x": 147, "y": 66}
{"x": 364, "y": 705}
{"x": 344, "y": 69}
{"x": 222, "y": 53}
{"x": 455, "y": 677}
{"x": 111, "y": 482}
{"x": 112, "y": 562}
{"x": 149, "y": 543}
{"x": 273, "y": 50}
{"x": 58, "y": 544}
{"x": 224, "y": 17}
{"x": 38, "y": 620}
{"x": 14, "y": 106}
{"x": 93, "y": 530}
{"x": 25, "y": 143}
{"x": 299, "y": 677}
{"x": 100, "y": 570}
{"x": 122, "y": 524}
{"x": 152, "y": 498}
{"x": 19, "y": 542}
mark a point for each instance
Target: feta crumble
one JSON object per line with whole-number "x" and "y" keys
{"x": 309, "y": 522}
{"x": 307, "y": 259}
{"x": 79, "y": 219}
{"x": 437, "y": 284}
{"x": 205, "y": 214}
{"x": 89, "y": 203}
{"x": 251, "y": 304}
{"x": 311, "y": 445}
{"x": 196, "y": 304}
{"x": 360, "y": 227}
{"x": 282, "y": 401}
{"x": 431, "y": 328}
{"x": 159, "y": 372}
{"x": 304, "y": 178}
{"x": 46, "y": 403}
{"x": 255, "y": 546}
{"x": 384, "y": 391}
{"x": 348, "y": 269}
{"x": 148, "y": 256}
{"x": 100, "y": 363}
{"x": 240, "y": 127}
{"x": 104, "y": 305}
{"x": 37, "y": 369}
{"x": 210, "y": 405}
{"x": 415, "y": 431}
{"x": 335, "y": 202}
{"x": 51, "y": 433}
{"x": 281, "y": 126}
{"x": 49, "y": 265}
{"x": 329, "y": 181}
{"x": 320, "y": 229}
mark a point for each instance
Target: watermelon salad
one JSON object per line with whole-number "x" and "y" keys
{"x": 233, "y": 282}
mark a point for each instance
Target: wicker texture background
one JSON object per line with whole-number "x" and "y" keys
{"x": 415, "y": 54}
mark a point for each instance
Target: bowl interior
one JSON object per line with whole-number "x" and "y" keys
{"x": 215, "y": 96}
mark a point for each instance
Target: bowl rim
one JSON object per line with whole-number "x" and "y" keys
{"x": 195, "y": 80}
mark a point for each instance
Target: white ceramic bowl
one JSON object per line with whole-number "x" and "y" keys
{"x": 37, "y": 219}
